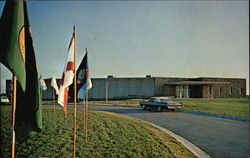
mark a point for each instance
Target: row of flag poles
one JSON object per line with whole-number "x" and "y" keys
{"x": 18, "y": 55}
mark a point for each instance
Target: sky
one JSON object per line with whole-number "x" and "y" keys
{"x": 139, "y": 38}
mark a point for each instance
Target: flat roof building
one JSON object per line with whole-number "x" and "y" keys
{"x": 145, "y": 87}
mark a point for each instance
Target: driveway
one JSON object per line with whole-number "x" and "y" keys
{"x": 218, "y": 137}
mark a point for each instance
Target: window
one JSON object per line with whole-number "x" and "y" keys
{"x": 177, "y": 91}
{"x": 181, "y": 91}
{"x": 165, "y": 100}
{"x": 157, "y": 100}
{"x": 151, "y": 99}
{"x": 220, "y": 90}
{"x": 210, "y": 90}
{"x": 241, "y": 90}
{"x": 231, "y": 90}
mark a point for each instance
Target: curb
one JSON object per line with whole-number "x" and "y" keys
{"x": 191, "y": 147}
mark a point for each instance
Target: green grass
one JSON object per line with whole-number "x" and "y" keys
{"x": 127, "y": 102}
{"x": 226, "y": 106}
{"x": 110, "y": 135}
{"x": 238, "y": 107}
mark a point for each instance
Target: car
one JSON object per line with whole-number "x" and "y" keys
{"x": 4, "y": 100}
{"x": 161, "y": 103}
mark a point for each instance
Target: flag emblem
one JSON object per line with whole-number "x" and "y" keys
{"x": 21, "y": 41}
{"x": 82, "y": 75}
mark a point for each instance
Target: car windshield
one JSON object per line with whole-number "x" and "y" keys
{"x": 151, "y": 99}
{"x": 165, "y": 100}
{"x": 4, "y": 97}
{"x": 155, "y": 100}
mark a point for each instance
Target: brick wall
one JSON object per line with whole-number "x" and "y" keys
{"x": 235, "y": 88}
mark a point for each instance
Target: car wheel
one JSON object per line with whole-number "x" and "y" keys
{"x": 143, "y": 107}
{"x": 159, "y": 109}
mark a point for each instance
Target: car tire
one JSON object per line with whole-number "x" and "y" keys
{"x": 159, "y": 109}
{"x": 144, "y": 107}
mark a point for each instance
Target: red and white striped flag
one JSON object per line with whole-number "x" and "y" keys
{"x": 68, "y": 75}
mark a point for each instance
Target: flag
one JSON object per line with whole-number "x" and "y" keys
{"x": 12, "y": 50}
{"x": 17, "y": 53}
{"x": 54, "y": 84}
{"x": 42, "y": 84}
{"x": 82, "y": 78}
{"x": 68, "y": 75}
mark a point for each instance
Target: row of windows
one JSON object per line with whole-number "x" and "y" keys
{"x": 179, "y": 89}
{"x": 230, "y": 90}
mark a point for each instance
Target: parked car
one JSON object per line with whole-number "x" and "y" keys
{"x": 160, "y": 103}
{"x": 4, "y": 100}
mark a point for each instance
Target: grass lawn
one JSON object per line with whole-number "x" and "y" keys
{"x": 226, "y": 106}
{"x": 238, "y": 107}
{"x": 127, "y": 102}
{"x": 111, "y": 135}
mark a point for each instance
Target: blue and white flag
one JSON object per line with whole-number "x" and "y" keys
{"x": 82, "y": 78}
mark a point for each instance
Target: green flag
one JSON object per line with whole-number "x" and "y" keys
{"x": 12, "y": 50}
{"x": 28, "y": 101}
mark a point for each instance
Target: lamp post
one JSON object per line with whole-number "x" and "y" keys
{"x": 106, "y": 86}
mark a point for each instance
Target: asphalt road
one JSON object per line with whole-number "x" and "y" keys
{"x": 218, "y": 137}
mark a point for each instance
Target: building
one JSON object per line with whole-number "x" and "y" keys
{"x": 145, "y": 87}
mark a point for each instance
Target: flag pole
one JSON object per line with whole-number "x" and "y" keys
{"x": 84, "y": 123}
{"x": 13, "y": 117}
{"x": 86, "y": 139}
{"x": 0, "y": 79}
{"x": 53, "y": 93}
{"x": 74, "y": 150}
{"x": 54, "y": 100}
{"x": 85, "y": 119}
{"x": 86, "y": 115}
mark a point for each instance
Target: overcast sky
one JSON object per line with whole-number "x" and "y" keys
{"x": 134, "y": 39}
